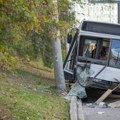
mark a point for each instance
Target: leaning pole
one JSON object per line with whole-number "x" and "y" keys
{"x": 56, "y": 48}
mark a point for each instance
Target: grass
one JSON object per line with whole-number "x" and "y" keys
{"x": 30, "y": 96}
{"x": 39, "y": 63}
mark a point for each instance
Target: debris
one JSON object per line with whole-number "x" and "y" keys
{"x": 91, "y": 105}
{"x": 115, "y": 104}
{"x": 100, "y": 105}
{"x": 77, "y": 91}
{"x": 100, "y": 113}
{"x": 67, "y": 97}
{"x": 114, "y": 96}
{"x": 72, "y": 85}
{"x": 103, "y": 105}
{"x": 64, "y": 93}
{"x": 106, "y": 94}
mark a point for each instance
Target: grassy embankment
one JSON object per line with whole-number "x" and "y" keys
{"x": 31, "y": 96}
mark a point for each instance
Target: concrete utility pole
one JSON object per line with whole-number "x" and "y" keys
{"x": 57, "y": 55}
{"x": 118, "y": 12}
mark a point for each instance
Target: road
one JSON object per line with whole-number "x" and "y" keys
{"x": 101, "y": 113}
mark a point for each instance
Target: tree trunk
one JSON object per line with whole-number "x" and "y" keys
{"x": 57, "y": 55}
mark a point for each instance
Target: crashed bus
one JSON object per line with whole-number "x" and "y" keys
{"x": 93, "y": 59}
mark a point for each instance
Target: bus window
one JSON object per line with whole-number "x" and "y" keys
{"x": 105, "y": 50}
{"x": 94, "y": 47}
{"x": 89, "y": 49}
{"x": 115, "y": 54}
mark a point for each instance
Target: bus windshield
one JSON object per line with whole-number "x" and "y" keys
{"x": 115, "y": 53}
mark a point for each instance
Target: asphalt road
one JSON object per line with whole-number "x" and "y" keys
{"x": 101, "y": 113}
{"x": 97, "y": 113}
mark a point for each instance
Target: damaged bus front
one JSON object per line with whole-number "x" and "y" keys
{"x": 93, "y": 59}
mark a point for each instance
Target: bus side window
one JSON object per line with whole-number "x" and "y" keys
{"x": 104, "y": 50}
{"x": 89, "y": 49}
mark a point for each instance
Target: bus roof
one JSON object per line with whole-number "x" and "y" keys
{"x": 102, "y": 29}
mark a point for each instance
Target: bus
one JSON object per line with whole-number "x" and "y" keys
{"x": 93, "y": 59}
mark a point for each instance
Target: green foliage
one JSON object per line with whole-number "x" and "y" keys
{"x": 7, "y": 62}
{"x": 25, "y": 29}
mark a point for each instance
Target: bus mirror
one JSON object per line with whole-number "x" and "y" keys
{"x": 69, "y": 38}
